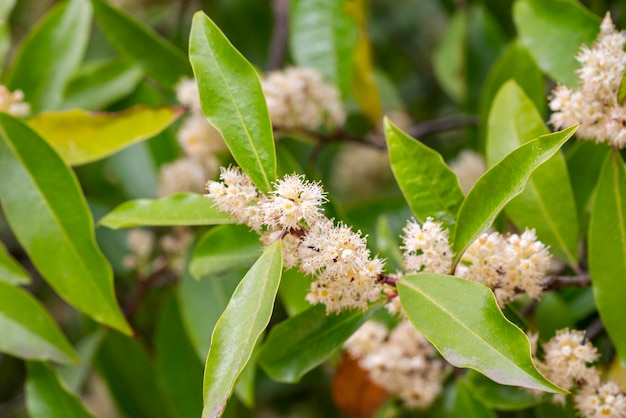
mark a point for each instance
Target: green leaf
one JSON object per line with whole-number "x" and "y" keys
{"x": 5, "y": 31}
{"x": 551, "y": 210}
{"x": 323, "y": 35}
{"x": 303, "y": 342}
{"x": 466, "y": 404}
{"x": 135, "y": 171}
{"x": 472, "y": 335}
{"x": 130, "y": 376}
{"x": 201, "y": 305}
{"x": 46, "y": 210}
{"x": 75, "y": 376}
{"x": 176, "y": 209}
{"x": 27, "y": 329}
{"x": 486, "y": 40}
{"x": 428, "y": 184}
{"x": 101, "y": 84}
{"x": 46, "y": 396}
{"x": 449, "y": 58}
{"x": 607, "y": 249}
{"x": 501, "y": 397}
{"x": 225, "y": 248}
{"x": 177, "y": 366}
{"x": 97, "y": 135}
{"x": 500, "y": 184}
{"x": 232, "y": 100}
{"x": 238, "y": 329}
{"x": 542, "y": 24}
{"x": 50, "y": 53}
{"x": 159, "y": 58}
{"x": 293, "y": 289}
{"x": 517, "y": 64}
{"x": 584, "y": 162}
{"x": 10, "y": 270}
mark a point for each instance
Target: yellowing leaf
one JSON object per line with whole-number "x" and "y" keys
{"x": 364, "y": 86}
{"x": 82, "y": 137}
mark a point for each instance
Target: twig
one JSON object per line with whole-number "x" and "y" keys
{"x": 556, "y": 282}
{"x": 444, "y": 124}
{"x": 594, "y": 329}
{"x": 280, "y": 32}
{"x": 134, "y": 300}
{"x": 419, "y": 131}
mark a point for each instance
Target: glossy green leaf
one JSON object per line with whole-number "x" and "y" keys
{"x": 225, "y": 248}
{"x": 50, "y": 53}
{"x": 176, "y": 209}
{"x": 131, "y": 378}
{"x": 467, "y": 405}
{"x": 550, "y": 210}
{"x": 178, "y": 368}
{"x": 584, "y": 162}
{"x": 97, "y": 135}
{"x": 38, "y": 192}
{"x": 201, "y": 305}
{"x": 247, "y": 314}
{"x": 159, "y": 58}
{"x": 449, "y": 58}
{"x": 10, "y": 270}
{"x": 428, "y": 184}
{"x": 101, "y": 84}
{"x": 232, "y": 100}
{"x": 46, "y": 396}
{"x": 500, "y": 184}
{"x": 303, "y": 342}
{"x": 501, "y": 397}
{"x": 607, "y": 249}
{"x": 472, "y": 335}
{"x": 542, "y": 24}
{"x": 323, "y": 35}
{"x": 28, "y": 331}
{"x": 517, "y": 64}
{"x": 293, "y": 289}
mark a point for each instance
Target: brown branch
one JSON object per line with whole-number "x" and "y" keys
{"x": 557, "y": 282}
{"x": 144, "y": 285}
{"x": 419, "y": 130}
{"x": 280, "y": 32}
{"x": 444, "y": 124}
{"x": 594, "y": 329}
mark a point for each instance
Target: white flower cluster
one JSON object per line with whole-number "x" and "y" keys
{"x": 401, "y": 361}
{"x": 298, "y": 98}
{"x": 509, "y": 265}
{"x": 200, "y": 142}
{"x": 13, "y": 102}
{"x": 426, "y": 248}
{"x": 346, "y": 276}
{"x": 567, "y": 362}
{"x": 594, "y": 104}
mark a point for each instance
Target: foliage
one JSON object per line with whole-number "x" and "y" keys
{"x": 125, "y": 291}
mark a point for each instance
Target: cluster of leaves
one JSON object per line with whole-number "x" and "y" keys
{"x": 62, "y": 167}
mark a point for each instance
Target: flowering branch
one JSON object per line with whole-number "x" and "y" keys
{"x": 557, "y": 282}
